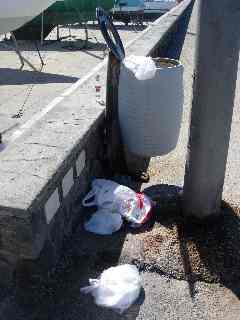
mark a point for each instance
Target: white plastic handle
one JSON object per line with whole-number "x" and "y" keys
{"x": 89, "y": 196}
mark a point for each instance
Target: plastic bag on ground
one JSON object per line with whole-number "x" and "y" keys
{"x": 109, "y": 195}
{"x": 143, "y": 68}
{"x": 104, "y": 194}
{"x": 138, "y": 211}
{"x": 104, "y": 223}
{"x": 117, "y": 288}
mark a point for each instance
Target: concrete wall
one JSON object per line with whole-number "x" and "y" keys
{"x": 45, "y": 173}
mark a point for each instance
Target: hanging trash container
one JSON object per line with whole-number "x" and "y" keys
{"x": 150, "y": 111}
{"x": 150, "y": 100}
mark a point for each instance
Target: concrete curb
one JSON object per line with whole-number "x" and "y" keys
{"x": 52, "y": 159}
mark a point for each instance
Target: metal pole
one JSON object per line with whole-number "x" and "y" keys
{"x": 22, "y": 59}
{"x": 42, "y": 29}
{"x": 212, "y": 107}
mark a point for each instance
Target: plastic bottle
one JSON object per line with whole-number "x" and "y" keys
{"x": 98, "y": 88}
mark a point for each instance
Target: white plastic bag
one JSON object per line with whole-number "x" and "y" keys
{"x": 118, "y": 287}
{"x": 143, "y": 68}
{"x": 104, "y": 223}
{"x": 105, "y": 194}
{"x": 109, "y": 195}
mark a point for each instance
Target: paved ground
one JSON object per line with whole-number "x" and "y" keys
{"x": 170, "y": 169}
{"x": 65, "y": 63}
{"x": 184, "y": 275}
{"x": 232, "y": 178}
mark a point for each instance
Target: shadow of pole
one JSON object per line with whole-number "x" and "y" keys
{"x": 186, "y": 260}
{"x": 208, "y": 250}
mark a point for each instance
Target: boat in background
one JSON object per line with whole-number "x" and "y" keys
{"x": 128, "y": 10}
{"x": 128, "y": 5}
{"x": 158, "y": 6}
{"x": 16, "y": 13}
{"x": 62, "y": 12}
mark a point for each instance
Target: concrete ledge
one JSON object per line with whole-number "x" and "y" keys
{"x": 49, "y": 165}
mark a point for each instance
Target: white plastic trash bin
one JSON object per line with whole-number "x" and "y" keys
{"x": 150, "y": 111}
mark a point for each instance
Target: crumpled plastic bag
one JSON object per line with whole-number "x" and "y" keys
{"x": 142, "y": 67}
{"x": 115, "y": 198}
{"x": 117, "y": 288}
{"x": 104, "y": 223}
{"x": 104, "y": 194}
{"x": 138, "y": 210}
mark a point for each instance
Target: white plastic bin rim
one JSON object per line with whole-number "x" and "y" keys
{"x": 167, "y": 63}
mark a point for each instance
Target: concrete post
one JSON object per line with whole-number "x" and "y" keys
{"x": 213, "y": 99}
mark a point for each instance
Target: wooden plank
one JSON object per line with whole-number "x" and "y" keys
{"x": 119, "y": 159}
{"x": 115, "y": 147}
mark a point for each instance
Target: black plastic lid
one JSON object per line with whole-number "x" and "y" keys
{"x": 106, "y": 25}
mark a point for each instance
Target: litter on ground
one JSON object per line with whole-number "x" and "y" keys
{"x": 114, "y": 203}
{"x": 117, "y": 288}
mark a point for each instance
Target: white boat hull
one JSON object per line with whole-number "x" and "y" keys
{"x": 152, "y": 7}
{"x": 128, "y": 9}
{"x": 158, "y": 6}
{"x": 16, "y": 13}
